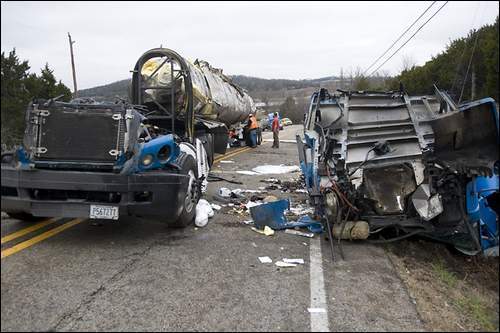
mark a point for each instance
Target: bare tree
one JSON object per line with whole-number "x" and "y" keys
{"x": 351, "y": 79}
{"x": 361, "y": 82}
{"x": 265, "y": 97}
{"x": 407, "y": 62}
{"x": 341, "y": 78}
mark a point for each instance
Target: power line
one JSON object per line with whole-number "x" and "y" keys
{"x": 468, "y": 67}
{"x": 397, "y": 40}
{"x": 430, "y": 18}
{"x": 459, "y": 64}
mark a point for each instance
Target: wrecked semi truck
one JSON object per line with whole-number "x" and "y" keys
{"x": 148, "y": 158}
{"x": 385, "y": 163}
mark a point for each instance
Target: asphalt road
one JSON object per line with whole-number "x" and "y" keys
{"x": 136, "y": 274}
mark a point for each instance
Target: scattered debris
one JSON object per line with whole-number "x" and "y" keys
{"x": 214, "y": 178}
{"x": 267, "y": 231}
{"x": 224, "y": 192}
{"x": 299, "y": 233}
{"x": 270, "y": 198}
{"x": 215, "y": 206}
{"x": 248, "y": 222}
{"x": 265, "y": 260}
{"x": 239, "y": 191}
{"x": 256, "y": 198}
{"x": 301, "y": 210}
{"x": 271, "y": 180}
{"x": 251, "y": 204}
{"x": 351, "y": 230}
{"x": 284, "y": 264}
{"x": 226, "y": 161}
{"x": 294, "y": 261}
{"x": 272, "y": 214}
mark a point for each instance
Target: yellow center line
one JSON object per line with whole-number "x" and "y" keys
{"x": 234, "y": 153}
{"x": 27, "y": 230}
{"x": 220, "y": 158}
{"x": 23, "y": 245}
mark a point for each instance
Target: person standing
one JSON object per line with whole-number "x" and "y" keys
{"x": 276, "y": 130}
{"x": 252, "y": 130}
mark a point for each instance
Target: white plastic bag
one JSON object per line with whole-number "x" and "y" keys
{"x": 203, "y": 212}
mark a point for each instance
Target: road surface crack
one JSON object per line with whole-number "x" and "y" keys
{"x": 71, "y": 316}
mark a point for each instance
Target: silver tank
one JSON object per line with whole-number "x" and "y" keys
{"x": 215, "y": 96}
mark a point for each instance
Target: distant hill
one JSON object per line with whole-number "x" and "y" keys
{"x": 107, "y": 91}
{"x": 254, "y": 85}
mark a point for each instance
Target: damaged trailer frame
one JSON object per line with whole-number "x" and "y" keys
{"x": 150, "y": 157}
{"x": 404, "y": 165}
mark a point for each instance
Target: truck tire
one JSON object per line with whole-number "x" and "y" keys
{"x": 188, "y": 167}
{"x": 7, "y": 158}
{"x": 25, "y": 217}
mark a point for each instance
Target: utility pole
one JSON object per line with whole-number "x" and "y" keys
{"x": 75, "y": 93}
{"x": 473, "y": 85}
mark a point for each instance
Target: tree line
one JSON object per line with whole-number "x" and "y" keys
{"x": 467, "y": 68}
{"x": 18, "y": 88}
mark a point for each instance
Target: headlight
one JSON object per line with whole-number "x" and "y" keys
{"x": 164, "y": 153}
{"x": 147, "y": 160}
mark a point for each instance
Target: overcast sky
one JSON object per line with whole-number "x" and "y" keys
{"x": 269, "y": 40}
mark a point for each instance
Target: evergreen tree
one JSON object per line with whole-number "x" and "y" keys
{"x": 448, "y": 70}
{"x": 18, "y": 88}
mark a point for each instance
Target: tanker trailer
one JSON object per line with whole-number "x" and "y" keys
{"x": 196, "y": 88}
{"x": 147, "y": 158}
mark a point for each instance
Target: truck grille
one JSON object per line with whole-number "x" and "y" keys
{"x": 80, "y": 133}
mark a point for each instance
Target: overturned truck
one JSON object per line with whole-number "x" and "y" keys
{"x": 385, "y": 163}
{"x": 150, "y": 157}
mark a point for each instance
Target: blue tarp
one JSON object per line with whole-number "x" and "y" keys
{"x": 272, "y": 214}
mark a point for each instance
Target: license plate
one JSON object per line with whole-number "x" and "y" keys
{"x": 103, "y": 212}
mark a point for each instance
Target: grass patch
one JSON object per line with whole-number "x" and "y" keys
{"x": 449, "y": 278}
{"x": 475, "y": 307}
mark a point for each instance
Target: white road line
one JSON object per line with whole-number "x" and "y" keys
{"x": 319, "y": 318}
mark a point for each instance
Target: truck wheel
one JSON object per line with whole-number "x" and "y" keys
{"x": 8, "y": 158}
{"x": 24, "y": 217}
{"x": 188, "y": 167}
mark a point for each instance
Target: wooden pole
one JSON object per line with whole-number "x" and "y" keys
{"x": 75, "y": 93}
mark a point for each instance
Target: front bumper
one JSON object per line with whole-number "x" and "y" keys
{"x": 58, "y": 193}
